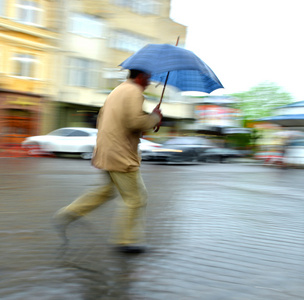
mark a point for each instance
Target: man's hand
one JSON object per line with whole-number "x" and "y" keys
{"x": 157, "y": 111}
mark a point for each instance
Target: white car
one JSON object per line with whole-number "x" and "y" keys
{"x": 76, "y": 140}
{"x": 146, "y": 147}
{"x": 294, "y": 153}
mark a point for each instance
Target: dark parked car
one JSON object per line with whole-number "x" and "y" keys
{"x": 220, "y": 155}
{"x": 145, "y": 147}
{"x": 180, "y": 149}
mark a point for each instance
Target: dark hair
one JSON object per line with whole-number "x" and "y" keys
{"x": 134, "y": 73}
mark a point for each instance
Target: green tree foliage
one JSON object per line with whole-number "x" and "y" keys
{"x": 260, "y": 100}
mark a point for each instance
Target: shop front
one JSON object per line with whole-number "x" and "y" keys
{"x": 20, "y": 116}
{"x": 76, "y": 115}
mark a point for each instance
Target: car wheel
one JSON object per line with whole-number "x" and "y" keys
{"x": 209, "y": 159}
{"x": 223, "y": 159}
{"x": 86, "y": 155}
{"x": 196, "y": 158}
{"x": 213, "y": 159}
{"x": 173, "y": 159}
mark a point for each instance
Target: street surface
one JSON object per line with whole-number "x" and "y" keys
{"x": 216, "y": 232}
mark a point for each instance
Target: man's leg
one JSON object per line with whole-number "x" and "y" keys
{"x": 83, "y": 205}
{"x": 130, "y": 220}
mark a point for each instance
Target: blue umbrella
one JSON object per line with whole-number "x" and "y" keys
{"x": 187, "y": 71}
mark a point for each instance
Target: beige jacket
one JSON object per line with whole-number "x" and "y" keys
{"x": 120, "y": 124}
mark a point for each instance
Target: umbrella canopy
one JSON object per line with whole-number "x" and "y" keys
{"x": 187, "y": 71}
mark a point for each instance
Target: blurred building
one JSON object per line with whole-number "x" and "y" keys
{"x": 59, "y": 59}
{"x": 96, "y": 37}
{"x": 215, "y": 115}
{"x": 27, "y": 59}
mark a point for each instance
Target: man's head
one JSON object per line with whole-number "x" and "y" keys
{"x": 140, "y": 77}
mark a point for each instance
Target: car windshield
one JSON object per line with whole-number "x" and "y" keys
{"x": 79, "y": 133}
{"x": 61, "y": 132}
{"x": 72, "y": 132}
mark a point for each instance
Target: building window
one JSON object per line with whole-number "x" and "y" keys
{"x": 29, "y": 12}
{"x": 86, "y": 25}
{"x": 1, "y": 61}
{"x": 83, "y": 72}
{"x": 121, "y": 2}
{"x": 146, "y": 7}
{"x": 2, "y": 7}
{"x": 25, "y": 65}
{"x": 127, "y": 41}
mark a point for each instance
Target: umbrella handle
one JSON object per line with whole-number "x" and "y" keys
{"x": 156, "y": 128}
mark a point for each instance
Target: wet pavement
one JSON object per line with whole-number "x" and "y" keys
{"x": 216, "y": 232}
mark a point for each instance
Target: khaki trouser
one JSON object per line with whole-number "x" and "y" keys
{"x": 129, "y": 222}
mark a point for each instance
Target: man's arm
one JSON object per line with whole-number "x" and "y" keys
{"x": 136, "y": 118}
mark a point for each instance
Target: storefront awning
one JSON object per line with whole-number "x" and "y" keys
{"x": 295, "y": 120}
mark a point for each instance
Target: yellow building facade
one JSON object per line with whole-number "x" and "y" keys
{"x": 28, "y": 43}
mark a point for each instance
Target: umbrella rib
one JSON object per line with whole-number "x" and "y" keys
{"x": 163, "y": 91}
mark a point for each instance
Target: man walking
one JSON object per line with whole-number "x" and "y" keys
{"x": 120, "y": 124}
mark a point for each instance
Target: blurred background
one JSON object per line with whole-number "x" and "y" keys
{"x": 217, "y": 231}
{"x": 59, "y": 61}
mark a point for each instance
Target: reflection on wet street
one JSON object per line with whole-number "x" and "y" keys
{"x": 216, "y": 231}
